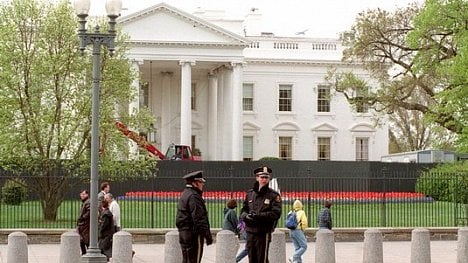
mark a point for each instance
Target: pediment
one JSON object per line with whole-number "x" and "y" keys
{"x": 163, "y": 23}
{"x": 286, "y": 126}
{"x": 362, "y": 127}
{"x": 250, "y": 126}
{"x": 325, "y": 127}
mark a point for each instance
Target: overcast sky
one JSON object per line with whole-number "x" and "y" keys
{"x": 325, "y": 18}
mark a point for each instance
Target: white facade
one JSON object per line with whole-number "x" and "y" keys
{"x": 241, "y": 97}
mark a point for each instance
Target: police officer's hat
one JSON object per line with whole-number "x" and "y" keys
{"x": 263, "y": 170}
{"x": 194, "y": 176}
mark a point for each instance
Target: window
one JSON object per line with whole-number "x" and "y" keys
{"x": 247, "y": 148}
{"x": 144, "y": 94}
{"x": 194, "y": 97}
{"x": 285, "y": 98}
{"x": 247, "y": 97}
{"x": 323, "y": 98}
{"x": 362, "y": 149}
{"x": 285, "y": 148}
{"x": 360, "y": 101}
{"x": 323, "y": 148}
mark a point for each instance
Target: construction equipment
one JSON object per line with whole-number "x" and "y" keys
{"x": 174, "y": 151}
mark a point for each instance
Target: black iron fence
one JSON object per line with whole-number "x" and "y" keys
{"x": 363, "y": 195}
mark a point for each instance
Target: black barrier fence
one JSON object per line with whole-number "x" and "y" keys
{"x": 363, "y": 195}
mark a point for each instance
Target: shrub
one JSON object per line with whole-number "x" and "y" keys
{"x": 14, "y": 192}
{"x": 269, "y": 158}
{"x": 446, "y": 182}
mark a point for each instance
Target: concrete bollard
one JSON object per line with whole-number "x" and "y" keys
{"x": 122, "y": 247}
{"x": 70, "y": 247}
{"x": 373, "y": 249}
{"x": 227, "y": 245}
{"x": 325, "y": 246}
{"x": 462, "y": 245}
{"x": 277, "y": 250}
{"x": 420, "y": 246}
{"x": 17, "y": 250}
{"x": 172, "y": 250}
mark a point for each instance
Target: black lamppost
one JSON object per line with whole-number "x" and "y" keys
{"x": 96, "y": 39}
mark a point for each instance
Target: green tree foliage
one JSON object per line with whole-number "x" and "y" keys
{"x": 441, "y": 34}
{"x": 45, "y": 95}
{"x": 384, "y": 43}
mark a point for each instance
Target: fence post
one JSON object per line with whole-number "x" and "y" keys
{"x": 383, "y": 208}
{"x": 373, "y": 250}
{"x": 420, "y": 246}
{"x": 325, "y": 246}
{"x": 70, "y": 247}
{"x": 462, "y": 245}
{"x": 17, "y": 251}
{"x": 227, "y": 245}
{"x": 122, "y": 247}
{"x": 152, "y": 199}
{"x": 172, "y": 250}
{"x": 277, "y": 250}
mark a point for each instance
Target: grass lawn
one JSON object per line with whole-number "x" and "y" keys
{"x": 161, "y": 214}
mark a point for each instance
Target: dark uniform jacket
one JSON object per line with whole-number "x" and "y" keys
{"x": 264, "y": 207}
{"x": 192, "y": 215}
{"x": 83, "y": 221}
{"x": 106, "y": 231}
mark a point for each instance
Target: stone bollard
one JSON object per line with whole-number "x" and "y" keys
{"x": 70, "y": 247}
{"x": 17, "y": 250}
{"x": 122, "y": 247}
{"x": 172, "y": 250}
{"x": 227, "y": 245}
{"x": 325, "y": 246}
{"x": 373, "y": 249}
{"x": 462, "y": 245}
{"x": 277, "y": 250}
{"x": 420, "y": 246}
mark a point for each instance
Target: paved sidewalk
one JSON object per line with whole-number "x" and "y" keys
{"x": 346, "y": 252}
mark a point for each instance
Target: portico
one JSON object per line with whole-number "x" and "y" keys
{"x": 191, "y": 79}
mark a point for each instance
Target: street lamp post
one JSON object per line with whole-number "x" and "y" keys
{"x": 96, "y": 39}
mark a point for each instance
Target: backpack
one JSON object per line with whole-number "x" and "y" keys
{"x": 291, "y": 220}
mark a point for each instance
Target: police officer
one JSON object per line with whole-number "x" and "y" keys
{"x": 192, "y": 219}
{"x": 261, "y": 211}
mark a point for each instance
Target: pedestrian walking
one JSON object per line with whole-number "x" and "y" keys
{"x": 192, "y": 219}
{"x": 260, "y": 212}
{"x": 324, "y": 218}
{"x": 106, "y": 230}
{"x": 245, "y": 251}
{"x": 114, "y": 208}
{"x": 83, "y": 222}
{"x": 231, "y": 221}
{"x": 105, "y": 188}
{"x": 297, "y": 234}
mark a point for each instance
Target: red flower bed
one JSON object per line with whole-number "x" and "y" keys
{"x": 345, "y": 196}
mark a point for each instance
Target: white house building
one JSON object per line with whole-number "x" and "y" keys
{"x": 237, "y": 93}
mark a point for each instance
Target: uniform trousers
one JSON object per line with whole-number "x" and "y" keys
{"x": 258, "y": 244}
{"x": 192, "y": 246}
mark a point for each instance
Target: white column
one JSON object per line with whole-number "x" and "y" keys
{"x": 185, "y": 104}
{"x": 227, "y": 113}
{"x": 134, "y": 105}
{"x": 219, "y": 140}
{"x": 236, "y": 128}
{"x": 166, "y": 110}
{"x": 212, "y": 116}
